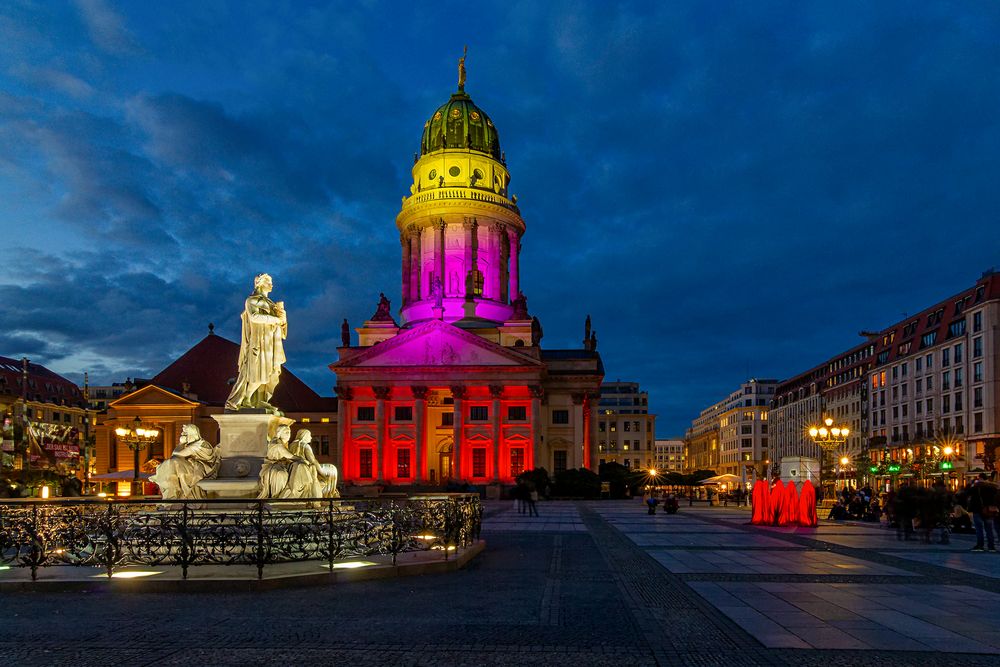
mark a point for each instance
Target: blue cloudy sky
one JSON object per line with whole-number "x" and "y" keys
{"x": 728, "y": 188}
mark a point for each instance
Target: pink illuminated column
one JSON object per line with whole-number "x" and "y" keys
{"x": 381, "y": 394}
{"x": 470, "y": 226}
{"x": 496, "y": 391}
{"x": 458, "y": 392}
{"x": 502, "y": 262}
{"x": 515, "y": 250}
{"x": 419, "y": 423}
{"x": 406, "y": 270}
{"x": 536, "y": 423}
{"x": 413, "y": 274}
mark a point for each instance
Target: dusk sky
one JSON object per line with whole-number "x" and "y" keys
{"x": 728, "y": 189}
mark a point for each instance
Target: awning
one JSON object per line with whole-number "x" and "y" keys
{"x": 721, "y": 479}
{"x": 119, "y": 475}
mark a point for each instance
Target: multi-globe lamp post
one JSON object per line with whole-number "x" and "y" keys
{"x": 137, "y": 438}
{"x": 829, "y": 436}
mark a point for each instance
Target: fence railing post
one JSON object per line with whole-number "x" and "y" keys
{"x": 260, "y": 539}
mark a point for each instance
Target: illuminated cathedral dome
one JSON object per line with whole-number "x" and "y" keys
{"x": 459, "y": 123}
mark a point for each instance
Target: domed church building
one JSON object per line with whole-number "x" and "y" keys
{"x": 460, "y": 388}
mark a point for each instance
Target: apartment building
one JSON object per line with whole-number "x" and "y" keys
{"x": 625, "y": 428}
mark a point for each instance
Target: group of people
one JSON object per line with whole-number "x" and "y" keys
{"x": 913, "y": 509}
{"x": 525, "y": 494}
{"x": 783, "y": 504}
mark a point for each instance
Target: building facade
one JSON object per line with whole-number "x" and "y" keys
{"x": 668, "y": 455}
{"x": 461, "y": 389}
{"x": 625, "y": 428}
{"x": 44, "y": 417}
{"x": 934, "y": 402}
{"x": 732, "y": 436}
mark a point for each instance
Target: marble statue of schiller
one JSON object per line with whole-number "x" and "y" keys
{"x": 261, "y": 349}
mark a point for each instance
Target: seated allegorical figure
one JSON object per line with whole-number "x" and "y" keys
{"x": 194, "y": 459}
{"x": 308, "y": 478}
{"x": 277, "y": 466}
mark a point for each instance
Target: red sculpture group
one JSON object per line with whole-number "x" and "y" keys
{"x": 782, "y": 504}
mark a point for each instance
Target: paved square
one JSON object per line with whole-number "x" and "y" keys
{"x": 595, "y": 583}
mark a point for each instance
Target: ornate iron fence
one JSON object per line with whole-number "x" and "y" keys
{"x": 112, "y": 533}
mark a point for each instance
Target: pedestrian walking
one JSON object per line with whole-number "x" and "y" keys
{"x": 983, "y": 506}
{"x": 532, "y": 500}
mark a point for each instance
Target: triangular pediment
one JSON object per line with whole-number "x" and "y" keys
{"x": 152, "y": 395}
{"x": 517, "y": 437}
{"x": 436, "y": 343}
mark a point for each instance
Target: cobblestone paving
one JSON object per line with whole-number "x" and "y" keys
{"x": 577, "y": 592}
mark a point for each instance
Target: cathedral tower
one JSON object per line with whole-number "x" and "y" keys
{"x": 460, "y": 230}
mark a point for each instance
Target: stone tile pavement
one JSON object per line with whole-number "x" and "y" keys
{"x": 597, "y": 583}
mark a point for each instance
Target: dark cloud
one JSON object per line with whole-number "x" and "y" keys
{"x": 729, "y": 189}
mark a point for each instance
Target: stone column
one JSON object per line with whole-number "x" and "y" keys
{"x": 593, "y": 401}
{"x": 381, "y": 394}
{"x": 415, "y": 264}
{"x": 515, "y": 250}
{"x": 420, "y": 424}
{"x": 496, "y": 391}
{"x": 536, "y": 422}
{"x": 579, "y": 442}
{"x": 340, "y": 459}
{"x": 458, "y": 392}
{"x": 405, "y": 274}
{"x": 500, "y": 235}
{"x": 470, "y": 227}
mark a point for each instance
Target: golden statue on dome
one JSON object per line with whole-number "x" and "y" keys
{"x": 461, "y": 69}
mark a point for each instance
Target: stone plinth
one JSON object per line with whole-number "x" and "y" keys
{"x": 243, "y": 440}
{"x": 799, "y": 469}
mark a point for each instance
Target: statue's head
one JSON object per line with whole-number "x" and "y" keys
{"x": 263, "y": 283}
{"x": 190, "y": 433}
{"x": 283, "y": 433}
{"x": 304, "y": 435}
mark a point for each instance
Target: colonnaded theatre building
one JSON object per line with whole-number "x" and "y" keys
{"x": 460, "y": 389}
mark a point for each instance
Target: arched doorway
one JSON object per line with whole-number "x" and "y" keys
{"x": 445, "y": 462}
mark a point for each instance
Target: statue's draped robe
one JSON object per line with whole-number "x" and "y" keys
{"x": 179, "y": 475}
{"x": 261, "y": 353}
{"x": 275, "y": 471}
{"x": 807, "y": 505}
{"x": 304, "y": 476}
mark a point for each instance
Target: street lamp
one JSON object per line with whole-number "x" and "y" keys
{"x": 829, "y": 436}
{"x": 137, "y": 438}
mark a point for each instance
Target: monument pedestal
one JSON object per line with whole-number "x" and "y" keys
{"x": 243, "y": 438}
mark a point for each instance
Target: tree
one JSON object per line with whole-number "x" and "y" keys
{"x": 577, "y": 483}
{"x": 617, "y": 477}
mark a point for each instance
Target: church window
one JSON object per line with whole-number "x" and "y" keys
{"x": 433, "y": 174}
{"x": 454, "y": 171}
{"x": 559, "y": 461}
{"x": 403, "y": 413}
{"x": 447, "y": 419}
{"x": 479, "y": 413}
{"x": 365, "y": 463}
{"x": 479, "y": 462}
{"x": 366, "y": 413}
{"x": 517, "y": 413}
{"x": 560, "y": 417}
{"x": 516, "y": 461}
{"x": 476, "y": 282}
{"x": 403, "y": 463}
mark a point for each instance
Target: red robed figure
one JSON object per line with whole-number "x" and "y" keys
{"x": 791, "y": 517}
{"x": 760, "y": 503}
{"x": 807, "y": 505}
{"x": 777, "y": 503}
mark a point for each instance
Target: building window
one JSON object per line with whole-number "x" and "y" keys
{"x": 746, "y": 429}
{"x": 626, "y": 426}
{"x": 946, "y": 380}
{"x": 958, "y": 353}
{"x": 945, "y": 357}
{"x": 959, "y": 424}
{"x": 447, "y": 419}
{"x": 365, "y": 464}
{"x": 602, "y": 427}
{"x": 920, "y": 385}
{"x": 977, "y": 371}
{"x": 559, "y": 461}
{"x": 958, "y": 377}
{"x": 516, "y": 461}
{"x": 958, "y": 401}
{"x": 366, "y": 413}
{"x": 562, "y": 417}
{"x": 977, "y": 397}
{"x": 479, "y": 462}
{"x": 403, "y": 463}
{"x": 946, "y": 403}
{"x": 476, "y": 282}
{"x": 479, "y": 413}
{"x": 977, "y": 421}
{"x": 403, "y": 413}
{"x": 518, "y": 413}
{"x": 977, "y": 347}
{"x": 977, "y": 321}
{"x": 322, "y": 444}
{"x": 919, "y": 364}
{"x": 930, "y": 383}
{"x": 956, "y": 328}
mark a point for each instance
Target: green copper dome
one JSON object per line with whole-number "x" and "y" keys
{"x": 459, "y": 123}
